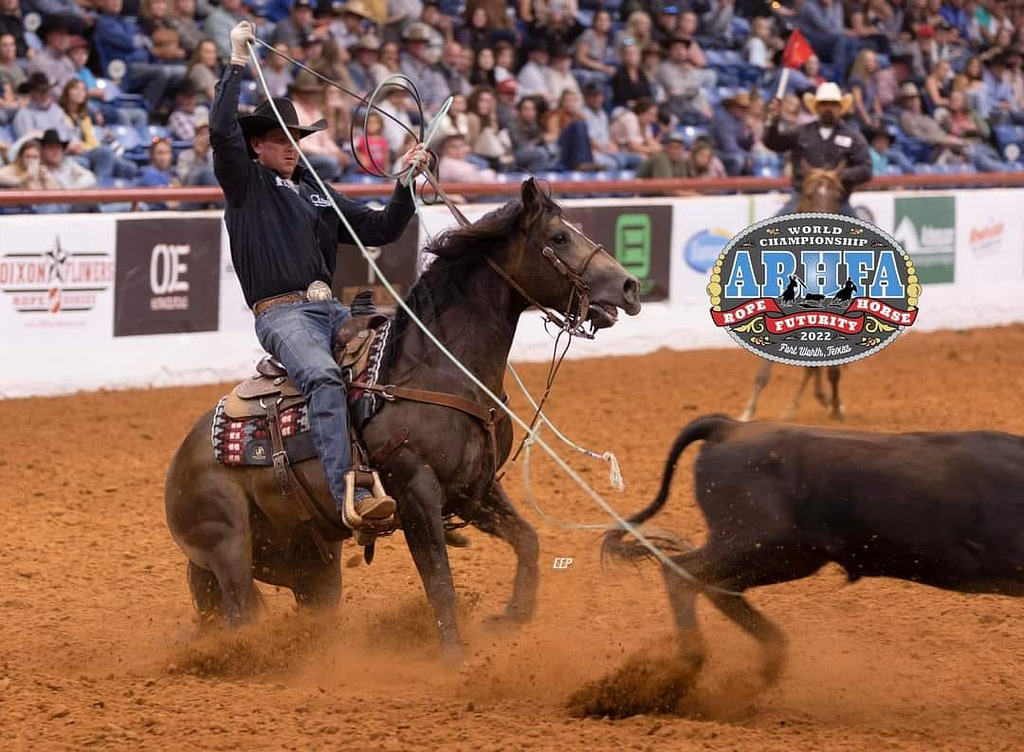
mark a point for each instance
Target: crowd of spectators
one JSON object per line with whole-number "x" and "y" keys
{"x": 116, "y": 92}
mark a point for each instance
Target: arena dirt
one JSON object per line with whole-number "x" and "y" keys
{"x": 98, "y": 647}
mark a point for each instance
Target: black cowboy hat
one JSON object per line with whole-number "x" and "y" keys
{"x": 262, "y": 120}
{"x": 51, "y": 24}
{"x": 52, "y": 137}
{"x": 35, "y": 82}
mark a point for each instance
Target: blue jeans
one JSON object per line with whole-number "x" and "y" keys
{"x": 299, "y": 335}
{"x": 790, "y": 206}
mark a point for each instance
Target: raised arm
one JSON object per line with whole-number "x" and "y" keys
{"x": 231, "y": 162}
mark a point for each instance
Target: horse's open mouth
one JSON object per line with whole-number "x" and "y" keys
{"x": 602, "y": 315}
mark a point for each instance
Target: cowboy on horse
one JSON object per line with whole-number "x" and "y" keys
{"x": 823, "y": 143}
{"x": 284, "y": 238}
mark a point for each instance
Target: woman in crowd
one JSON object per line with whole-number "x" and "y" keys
{"x": 204, "y": 68}
{"x": 630, "y": 83}
{"x": 485, "y": 138}
{"x": 483, "y": 68}
{"x": 867, "y": 107}
{"x": 595, "y": 49}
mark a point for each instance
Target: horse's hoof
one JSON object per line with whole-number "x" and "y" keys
{"x": 745, "y": 416}
{"x": 839, "y": 414}
{"x": 453, "y": 654}
{"x": 455, "y": 539}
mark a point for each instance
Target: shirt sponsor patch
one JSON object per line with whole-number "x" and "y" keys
{"x": 317, "y": 200}
{"x": 844, "y": 141}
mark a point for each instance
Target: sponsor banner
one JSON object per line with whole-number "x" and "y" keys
{"x": 56, "y": 276}
{"x": 926, "y": 228}
{"x": 638, "y": 236}
{"x": 990, "y": 237}
{"x": 398, "y": 262}
{"x": 168, "y": 276}
{"x": 701, "y": 228}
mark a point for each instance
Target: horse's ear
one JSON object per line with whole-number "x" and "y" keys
{"x": 531, "y": 195}
{"x": 805, "y": 167}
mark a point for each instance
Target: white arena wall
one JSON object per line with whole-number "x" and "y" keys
{"x": 108, "y": 301}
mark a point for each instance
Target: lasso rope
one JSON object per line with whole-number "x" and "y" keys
{"x": 532, "y": 433}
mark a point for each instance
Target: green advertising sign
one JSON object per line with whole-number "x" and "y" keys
{"x": 926, "y": 228}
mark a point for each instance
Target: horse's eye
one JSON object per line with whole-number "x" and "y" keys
{"x": 560, "y": 239}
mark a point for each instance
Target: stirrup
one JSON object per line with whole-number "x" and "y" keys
{"x": 366, "y": 531}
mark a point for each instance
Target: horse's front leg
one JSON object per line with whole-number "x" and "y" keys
{"x": 497, "y": 517}
{"x": 837, "y": 410}
{"x": 420, "y": 502}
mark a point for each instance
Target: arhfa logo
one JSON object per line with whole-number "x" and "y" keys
{"x": 55, "y": 281}
{"x": 814, "y": 289}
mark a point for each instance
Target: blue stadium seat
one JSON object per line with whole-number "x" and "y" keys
{"x": 924, "y": 168}
{"x": 155, "y": 131}
{"x": 625, "y": 175}
{"x": 127, "y": 137}
{"x": 915, "y": 149}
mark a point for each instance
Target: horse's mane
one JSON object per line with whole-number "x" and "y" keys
{"x": 459, "y": 251}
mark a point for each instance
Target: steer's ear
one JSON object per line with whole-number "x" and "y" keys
{"x": 531, "y": 195}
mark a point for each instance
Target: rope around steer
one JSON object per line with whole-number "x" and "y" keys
{"x": 535, "y": 438}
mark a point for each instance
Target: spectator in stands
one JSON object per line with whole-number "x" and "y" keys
{"x": 629, "y": 82}
{"x": 558, "y": 76}
{"x": 327, "y": 158}
{"x": 182, "y": 122}
{"x": 653, "y": 57}
{"x": 534, "y": 150}
{"x": 998, "y": 94}
{"x": 532, "y": 78}
{"x": 918, "y": 125}
{"x": 497, "y": 16}
{"x": 73, "y": 13}
{"x": 204, "y": 69}
{"x": 1014, "y": 76}
{"x": 159, "y": 173}
{"x": 685, "y": 84}
{"x": 595, "y": 49}
{"x": 606, "y": 151}
{"x": 432, "y": 86}
{"x": 703, "y": 162}
{"x": 294, "y": 29}
{"x": 505, "y": 109}
{"x": 558, "y": 27}
{"x": 954, "y": 13}
{"x": 825, "y": 142}
{"x": 688, "y": 30}
{"x": 277, "y": 72}
{"x": 883, "y": 156}
{"x": 401, "y": 17}
{"x": 867, "y": 106}
{"x": 183, "y": 20}
{"x": 666, "y": 25}
{"x": 638, "y": 28}
{"x": 365, "y": 68}
{"x": 536, "y": 12}
{"x": 565, "y": 126}
{"x": 41, "y": 112}
{"x": 483, "y": 68}
{"x": 456, "y": 120}
{"x": 371, "y": 146}
{"x": 311, "y": 49}
{"x": 717, "y": 21}
{"x": 10, "y": 23}
{"x": 195, "y": 165}
{"x": 53, "y": 59}
{"x": 938, "y": 82}
{"x": 398, "y": 105}
{"x": 944, "y": 44}
{"x": 119, "y": 38}
{"x": 68, "y": 173}
{"x": 504, "y": 61}
{"x": 973, "y": 130}
{"x": 155, "y": 22}
{"x": 221, "y": 21}
{"x": 868, "y": 24}
{"x": 82, "y": 139}
{"x": 25, "y": 170}
{"x": 456, "y": 68}
{"x": 354, "y": 20}
{"x": 671, "y": 162}
{"x": 486, "y": 138}
{"x": 454, "y": 167}
{"x": 636, "y": 129}
{"x": 761, "y": 45}
{"x": 824, "y": 31}
{"x": 11, "y": 74}
{"x": 439, "y": 27}
{"x": 732, "y": 134}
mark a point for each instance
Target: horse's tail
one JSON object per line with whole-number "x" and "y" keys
{"x": 708, "y": 427}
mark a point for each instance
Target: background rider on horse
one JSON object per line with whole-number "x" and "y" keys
{"x": 284, "y": 240}
{"x": 823, "y": 143}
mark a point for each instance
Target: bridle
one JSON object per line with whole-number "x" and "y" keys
{"x": 574, "y": 318}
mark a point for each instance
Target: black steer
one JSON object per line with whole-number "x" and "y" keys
{"x": 941, "y": 509}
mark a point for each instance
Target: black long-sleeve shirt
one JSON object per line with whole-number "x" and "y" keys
{"x": 285, "y": 234}
{"x": 805, "y": 142}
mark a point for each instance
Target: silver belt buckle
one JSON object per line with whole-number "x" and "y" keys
{"x": 318, "y": 292}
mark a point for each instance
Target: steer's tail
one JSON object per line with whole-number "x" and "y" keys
{"x": 709, "y": 427}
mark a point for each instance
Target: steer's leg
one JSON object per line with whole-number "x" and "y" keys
{"x": 759, "y": 383}
{"x": 837, "y": 410}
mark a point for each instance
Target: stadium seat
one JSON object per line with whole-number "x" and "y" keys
{"x": 127, "y": 138}
{"x": 915, "y": 149}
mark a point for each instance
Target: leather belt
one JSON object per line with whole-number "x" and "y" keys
{"x": 289, "y": 297}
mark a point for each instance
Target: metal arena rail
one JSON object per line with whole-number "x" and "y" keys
{"x": 619, "y": 188}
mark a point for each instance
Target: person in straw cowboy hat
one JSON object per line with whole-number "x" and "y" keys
{"x": 732, "y": 134}
{"x": 284, "y": 237}
{"x": 824, "y": 142}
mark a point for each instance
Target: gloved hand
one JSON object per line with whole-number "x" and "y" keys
{"x": 242, "y": 33}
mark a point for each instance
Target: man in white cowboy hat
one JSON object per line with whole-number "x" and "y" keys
{"x": 824, "y": 142}
{"x": 284, "y": 236}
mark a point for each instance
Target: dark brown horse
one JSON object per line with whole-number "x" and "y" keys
{"x": 822, "y": 192}
{"x": 447, "y": 464}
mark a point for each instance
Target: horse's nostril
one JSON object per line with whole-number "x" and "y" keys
{"x": 631, "y": 288}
